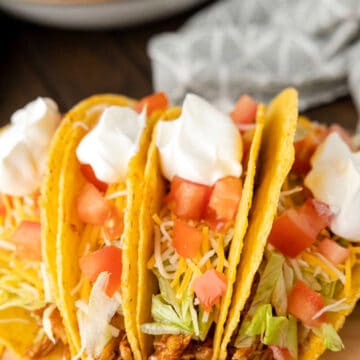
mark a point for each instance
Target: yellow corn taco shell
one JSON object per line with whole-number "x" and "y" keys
{"x": 152, "y": 202}
{"x": 22, "y": 287}
{"x": 276, "y": 158}
{"x": 75, "y": 239}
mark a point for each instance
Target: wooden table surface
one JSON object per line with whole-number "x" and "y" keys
{"x": 69, "y": 66}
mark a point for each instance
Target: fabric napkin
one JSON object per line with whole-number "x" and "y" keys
{"x": 259, "y": 47}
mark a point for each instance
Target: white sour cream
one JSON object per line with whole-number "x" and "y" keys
{"x": 335, "y": 180}
{"x": 110, "y": 145}
{"x": 24, "y": 146}
{"x": 202, "y": 145}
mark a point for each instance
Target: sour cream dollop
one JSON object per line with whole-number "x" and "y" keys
{"x": 110, "y": 145}
{"x": 24, "y": 146}
{"x": 202, "y": 145}
{"x": 335, "y": 180}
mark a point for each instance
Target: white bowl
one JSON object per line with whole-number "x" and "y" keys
{"x": 94, "y": 14}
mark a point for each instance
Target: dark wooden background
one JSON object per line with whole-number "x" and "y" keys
{"x": 71, "y": 65}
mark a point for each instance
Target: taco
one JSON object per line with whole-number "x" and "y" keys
{"x": 98, "y": 160}
{"x": 199, "y": 182}
{"x": 25, "y": 299}
{"x": 298, "y": 278}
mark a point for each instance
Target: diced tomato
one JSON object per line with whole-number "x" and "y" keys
{"x": 305, "y": 148}
{"x": 187, "y": 199}
{"x": 156, "y": 101}
{"x": 317, "y": 213}
{"x": 342, "y": 133}
{"x": 90, "y": 176}
{"x": 296, "y": 229}
{"x": 2, "y": 206}
{"x": 91, "y": 205}
{"x": 36, "y": 197}
{"x": 280, "y": 353}
{"x": 304, "y": 303}
{"x": 209, "y": 287}
{"x": 186, "y": 239}
{"x": 289, "y": 234}
{"x": 114, "y": 224}
{"x": 109, "y": 259}
{"x": 225, "y": 198}
{"x": 244, "y": 111}
{"x": 333, "y": 251}
{"x": 27, "y": 239}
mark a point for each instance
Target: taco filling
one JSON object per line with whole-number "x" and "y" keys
{"x": 312, "y": 249}
{"x": 203, "y": 155}
{"x": 105, "y": 155}
{"x": 24, "y": 286}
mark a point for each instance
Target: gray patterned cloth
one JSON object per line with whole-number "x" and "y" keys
{"x": 261, "y": 46}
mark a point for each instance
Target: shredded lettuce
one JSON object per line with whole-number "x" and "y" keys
{"x": 288, "y": 273}
{"x": 329, "y": 336}
{"x": 268, "y": 279}
{"x": 258, "y": 323}
{"x": 46, "y": 321}
{"x": 95, "y": 329}
{"x": 279, "y": 296}
{"x": 273, "y": 330}
{"x": 164, "y": 313}
{"x": 173, "y": 316}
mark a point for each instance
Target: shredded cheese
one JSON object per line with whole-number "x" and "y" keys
{"x": 332, "y": 268}
{"x": 205, "y": 259}
{"x": 296, "y": 268}
{"x": 7, "y": 245}
{"x": 11, "y": 320}
{"x": 77, "y": 288}
{"x": 116, "y": 195}
{"x": 348, "y": 273}
{"x": 337, "y": 306}
{"x": 221, "y": 255}
{"x": 158, "y": 258}
{"x": 163, "y": 230}
{"x": 291, "y": 191}
{"x": 313, "y": 260}
{"x": 184, "y": 283}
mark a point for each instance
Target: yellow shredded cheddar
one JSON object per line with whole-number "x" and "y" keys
{"x": 313, "y": 260}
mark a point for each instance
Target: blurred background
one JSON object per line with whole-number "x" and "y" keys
{"x": 70, "y": 51}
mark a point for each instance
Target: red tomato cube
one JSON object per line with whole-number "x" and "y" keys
{"x": 92, "y": 207}
{"x": 296, "y": 229}
{"x": 188, "y": 199}
{"x": 90, "y": 176}
{"x": 186, "y": 239}
{"x": 2, "y": 206}
{"x": 156, "y": 101}
{"x": 27, "y": 239}
{"x": 304, "y": 303}
{"x": 244, "y": 111}
{"x": 280, "y": 353}
{"x": 316, "y": 213}
{"x": 290, "y": 234}
{"x": 225, "y": 198}
{"x": 108, "y": 259}
{"x": 209, "y": 287}
{"x": 333, "y": 251}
